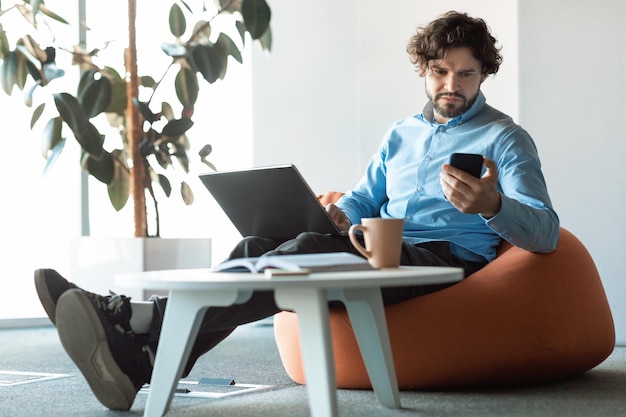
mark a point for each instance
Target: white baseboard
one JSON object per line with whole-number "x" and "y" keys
{"x": 25, "y": 322}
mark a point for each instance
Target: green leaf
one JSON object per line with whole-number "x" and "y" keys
{"x": 118, "y": 98}
{"x": 176, "y": 127}
{"x": 51, "y": 136}
{"x": 202, "y": 32}
{"x": 230, "y": 5}
{"x": 37, "y": 114}
{"x": 146, "y": 147}
{"x": 186, "y": 193}
{"x": 210, "y": 61}
{"x": 167, "y": 111}
{"x": 119, "y": 188}
{"x": 266, "y": 40}
{"x": 24, "y": 52}
{"x": 209, "y": 164}
{"x": 9, "y": 72}
{"x": 85, "y": 133}
{"x": 183, "y": 142}
{"x": 118, "y": 93}
{"x": 256, "y": 14}
{"x": 52, "y": 143}
{"x": 163, "y": 158}
{"x": 28, "y": 96}
{"x": 241, "y": 29}
{"x": 52, "y": 15}
{"x": 178, "y": 24}
{"x": 184, "y": 3}
{"x": 22, "y": 72}
{"x": 226, "y": 44}
{"x": 102, "y": 169}
{"x": 54, "y": 154}
{"x": 34, "y": 72}
{"x": 148, "y": 82}
{"x": 187, "y": 88}
{"x": 145, "y": 111}
{"x": 35, "y": 4}
{"x": 91, "y": 140}
{"x": 71, "y": 112}
{"x": 205, "y": 151}
{"x": 181, "y": 156}
{"x": 4, "y": 43}
{"x": 85, "y": 79}
{"x": 96, "y": 97}
{"x": 165, "y": 185}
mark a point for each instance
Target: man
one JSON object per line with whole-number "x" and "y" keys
{"x": 451, "y": 218}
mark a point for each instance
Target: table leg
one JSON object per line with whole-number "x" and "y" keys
{"x": 367, "y": 315}
{"x": 182, "y": 320}
{"x": 311, "y": 305}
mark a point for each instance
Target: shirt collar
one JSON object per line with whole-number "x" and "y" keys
{"x": 428, "y": 111}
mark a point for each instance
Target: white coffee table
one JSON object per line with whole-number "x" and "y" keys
{"x": 192, "y": 291}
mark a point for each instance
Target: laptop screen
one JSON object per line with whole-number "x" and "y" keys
{"x": 272, "y": 202}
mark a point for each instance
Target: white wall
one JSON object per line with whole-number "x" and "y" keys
{"x": 305, "y": 95}
{"x": 572, "y": 100}
{"x": 36, "y": 213}
{"x": 339, "y": 76}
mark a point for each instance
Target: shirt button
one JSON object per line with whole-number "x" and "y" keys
{"x": 420, "y": 189}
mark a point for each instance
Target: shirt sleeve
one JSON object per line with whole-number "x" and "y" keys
{"x": 532, "y": 229}
{"x": 368, "y": 196}
{"x": 526, "y": 217}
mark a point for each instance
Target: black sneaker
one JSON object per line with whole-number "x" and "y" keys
{"x": 96, "y": 334}
{"x": 50, "y": 286}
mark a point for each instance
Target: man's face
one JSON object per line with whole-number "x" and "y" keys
{"x": 452, "y": 83}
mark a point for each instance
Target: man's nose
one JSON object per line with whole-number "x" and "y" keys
{"x": 452, "y": 81}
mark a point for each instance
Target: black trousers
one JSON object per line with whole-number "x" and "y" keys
{"x": 219, "y": 322}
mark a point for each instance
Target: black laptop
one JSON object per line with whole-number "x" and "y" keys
{"x": 272, "y": 202}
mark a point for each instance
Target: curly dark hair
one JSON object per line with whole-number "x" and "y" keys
{"x": 454, "y": 30}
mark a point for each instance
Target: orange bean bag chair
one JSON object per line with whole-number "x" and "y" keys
{"x": 524, "y": 318}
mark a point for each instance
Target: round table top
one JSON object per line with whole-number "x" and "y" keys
{"x": 205, "y": 278}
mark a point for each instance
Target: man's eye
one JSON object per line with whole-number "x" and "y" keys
{"x": 467, "y": 74}
{"x": 439, "y": 72}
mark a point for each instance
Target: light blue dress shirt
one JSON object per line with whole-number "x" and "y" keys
{"x": 402, "y": 181}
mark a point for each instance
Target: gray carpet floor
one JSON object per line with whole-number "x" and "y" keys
{"x": 249, "y": 356}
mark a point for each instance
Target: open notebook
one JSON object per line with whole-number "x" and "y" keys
{"x": 296, "y": 264}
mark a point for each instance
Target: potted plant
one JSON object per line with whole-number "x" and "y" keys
{"x": 152, "y": 135}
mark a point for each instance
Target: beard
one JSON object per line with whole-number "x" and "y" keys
{"x": 450, "y": 110}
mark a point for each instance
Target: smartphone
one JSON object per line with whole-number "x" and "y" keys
{"x": 468, "y": 162}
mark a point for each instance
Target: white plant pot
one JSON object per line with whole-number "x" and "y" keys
{"x": 95, "y": 261}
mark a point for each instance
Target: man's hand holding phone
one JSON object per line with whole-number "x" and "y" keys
{"x": 466, "y": 189}
{"x": 469, "y": 162}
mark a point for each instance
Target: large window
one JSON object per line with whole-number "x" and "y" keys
{"x": 40, "y": 215}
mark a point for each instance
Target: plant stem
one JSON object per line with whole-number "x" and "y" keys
{"x": 134, "y": 129}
